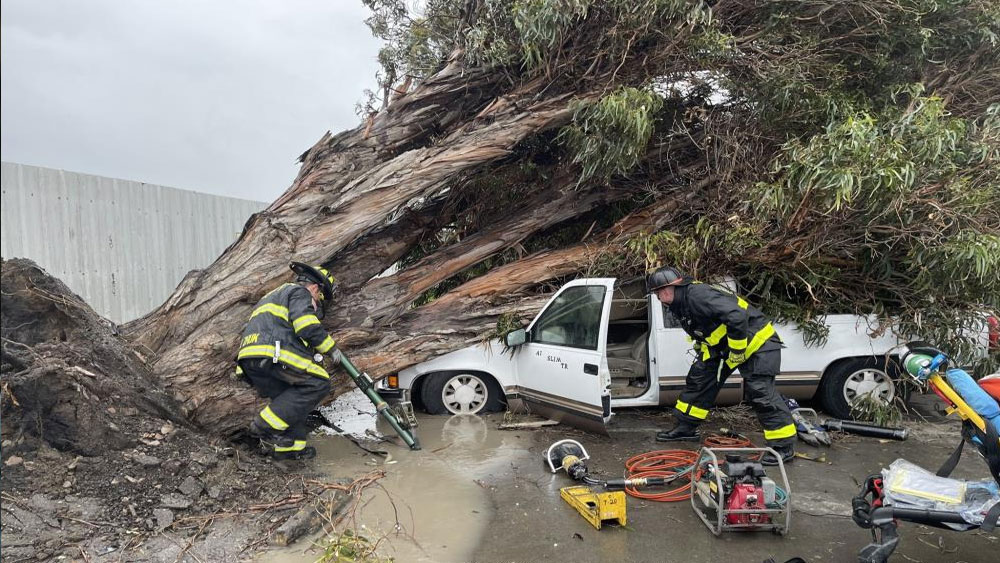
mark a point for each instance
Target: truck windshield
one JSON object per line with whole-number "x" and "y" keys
{"x": 573, "y": 319}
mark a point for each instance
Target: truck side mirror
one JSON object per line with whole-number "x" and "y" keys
{"x": 516, "y": 338}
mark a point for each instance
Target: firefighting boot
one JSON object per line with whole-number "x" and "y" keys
{"x": 683, "y": 432}
{"x": 787, "y": 453}
{"x": 260, "y": 430}
{"x": 308, "y": 452}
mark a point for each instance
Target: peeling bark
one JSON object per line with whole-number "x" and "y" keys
{"x": 351, "y": 186}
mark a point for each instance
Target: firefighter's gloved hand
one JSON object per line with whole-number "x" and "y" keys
{"x": 736, "y": 357}
{"x": 336, "y": 356}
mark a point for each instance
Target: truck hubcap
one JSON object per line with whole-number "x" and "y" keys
{"x": 871, "y": 382}
{"x": 464, "y": 394}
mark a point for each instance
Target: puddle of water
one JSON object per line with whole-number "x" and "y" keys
{"x": 429, "y": 506}
{"x": 353, "y": 413}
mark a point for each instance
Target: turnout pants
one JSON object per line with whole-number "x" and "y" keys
{"x": 293, "y": 396}
{"x": 706, "y": 378}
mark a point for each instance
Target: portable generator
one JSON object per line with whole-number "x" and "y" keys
{"x": 736, "y": 494}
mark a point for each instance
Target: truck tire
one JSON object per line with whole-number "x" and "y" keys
{"x": 847, "y": 379}
{"x": 461, "y": 393}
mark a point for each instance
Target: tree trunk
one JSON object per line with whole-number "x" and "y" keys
{"x": 344, "y": 209}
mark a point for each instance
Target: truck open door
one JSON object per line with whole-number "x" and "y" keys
{"x": 561, "y": 368}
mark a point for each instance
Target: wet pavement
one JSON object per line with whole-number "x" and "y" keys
{"x": 476, "y": 493}
{"x": 433, "y": 505}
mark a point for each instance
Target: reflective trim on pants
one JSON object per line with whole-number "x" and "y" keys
{"x": 784, "y": 432}
{"x": 297, "y": 446}
{"x": 691, "y": 410}
{"x": 273, "y": 420}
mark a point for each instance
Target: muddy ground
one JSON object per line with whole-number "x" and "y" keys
{"x": 821, "y": 528}
{"x": 476, "y": 493}
{"x": 98, "y": 463}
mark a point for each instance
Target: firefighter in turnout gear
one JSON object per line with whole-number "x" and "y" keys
{"x": 281, "y": 354}
{"x": 728, "y": 334}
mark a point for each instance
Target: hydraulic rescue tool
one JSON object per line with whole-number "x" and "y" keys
{"x": 864, "y": 429}
{"x": 807, "y": 424}
{"x": 400, "y": 418}
{"x": 735, "y": 494}
{"x": 569, "y": 456}
{"x": 596, "y": 508}
{"x": 808, "y": 427}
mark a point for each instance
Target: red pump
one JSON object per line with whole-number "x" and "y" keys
{"x": 747, "y": 496}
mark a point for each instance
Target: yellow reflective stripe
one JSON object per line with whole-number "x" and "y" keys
{"x": 277, "y": 289}
{"x": 706, "y": 352}
{"x": 272, "y": 308}
{"x": 286, "y": 357}
{"x": 737, "y": 344}
{"x": 760, "y": 338}
{"x": 304, "y": 321}
{"x": 741, "y": 302}
{"x": 783, "y": 432}
{"x": 325, "y": 346}
{"x": 716, "y": 335}
{"x": 691, "y": 410}
{"x": 298, "y": 446}
{"x": 239, "y": 370}
{"x": 273, "y": 420}
{"x": 303, "y": 364}
{"x": 260, "y": 350}
{"x": 698, "y": 413}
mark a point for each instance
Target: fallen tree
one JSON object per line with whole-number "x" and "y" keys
{"x": 833, "y": 157}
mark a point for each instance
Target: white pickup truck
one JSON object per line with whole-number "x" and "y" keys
{"x": 597, "y": 346}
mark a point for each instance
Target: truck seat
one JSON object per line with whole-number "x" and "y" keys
{"x": 631, "y": 365}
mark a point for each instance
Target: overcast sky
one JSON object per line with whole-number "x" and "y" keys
{"x": 218, "y": 96}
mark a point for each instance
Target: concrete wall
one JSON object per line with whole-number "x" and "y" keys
{"x": 121, "y": 245}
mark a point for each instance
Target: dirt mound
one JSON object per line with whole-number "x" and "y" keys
{"x": 98, "y": 458}
{"x": 68, "y": 377}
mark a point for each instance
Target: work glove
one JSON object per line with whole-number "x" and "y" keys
{"x": 735, "y": 358}
{"x": 335, "y": 357}
{"x": 701, "y": 350}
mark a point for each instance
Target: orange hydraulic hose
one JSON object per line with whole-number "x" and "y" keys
{"x": 721, "y": 441}
{"x": 661, "y": 463}
{"x": 670, "y": 463}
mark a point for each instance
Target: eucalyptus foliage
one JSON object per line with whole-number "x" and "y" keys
{"x": 849, "y": 151}
{"x": 610, "y": 136}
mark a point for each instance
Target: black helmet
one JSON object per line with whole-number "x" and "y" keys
{"x": 666, "y": 276}
{"x": 317, "y": 275}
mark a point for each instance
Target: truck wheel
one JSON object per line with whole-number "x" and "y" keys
{"x": 461, "y": 393}
{"x": 847, "y": 380}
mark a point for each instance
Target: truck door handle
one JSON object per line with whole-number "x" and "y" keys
{"x": 590, "y": 369}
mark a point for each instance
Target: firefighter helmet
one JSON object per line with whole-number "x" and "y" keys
{"x": 317, "y": 275}
{"x": 666, "y": 276}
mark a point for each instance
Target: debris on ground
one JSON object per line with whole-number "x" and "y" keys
{"x": 97, "y": 455}
{"x": 527, "y": 424}
{"x": 737, "y": 416}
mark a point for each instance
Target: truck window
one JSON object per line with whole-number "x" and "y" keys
{"x": 573, "y": 319}
{"x": 669, "y": 320}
